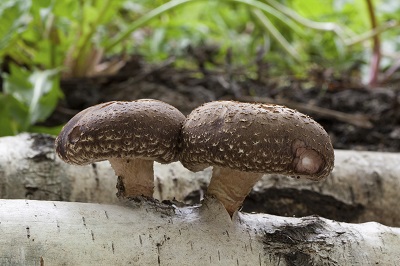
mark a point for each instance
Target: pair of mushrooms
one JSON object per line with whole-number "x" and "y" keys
{"x": 242, "y": 141}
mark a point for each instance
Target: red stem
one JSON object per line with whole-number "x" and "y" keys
{"x": 376, "y": 49}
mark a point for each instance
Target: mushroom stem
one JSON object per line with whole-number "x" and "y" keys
{"x": 135, "y": 177}
{"x": 231, "y": 187}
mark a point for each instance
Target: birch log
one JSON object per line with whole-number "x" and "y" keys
{"x": 362, "y": 187}
{"x": 143, "y": 233}
{"x": 29, "y": 168}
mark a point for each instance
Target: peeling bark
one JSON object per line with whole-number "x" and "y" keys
{"x": 151, "y": 233}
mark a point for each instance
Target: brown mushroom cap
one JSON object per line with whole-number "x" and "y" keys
{"x": 258, "y": 138}
{"x": 145, "y": 129}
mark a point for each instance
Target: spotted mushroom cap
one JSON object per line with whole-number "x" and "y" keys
{"x": 138, "y": 129}
{"x": 260, "y": 138}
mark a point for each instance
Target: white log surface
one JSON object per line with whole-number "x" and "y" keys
{"x": 364, "y": 186}
{"x": 142, "y": 233}
{"x": 30, "y": 169}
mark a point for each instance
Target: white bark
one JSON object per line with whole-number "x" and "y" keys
{"x": 142, "y": 233}
{"x": 363, "y": 186}
{"x": 29, "y": 168}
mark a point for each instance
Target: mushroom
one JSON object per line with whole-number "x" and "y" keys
{"x": 243, "y": 141}
{"x": 130, "y": 135}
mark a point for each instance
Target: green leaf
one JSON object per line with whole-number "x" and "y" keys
{"x": 17, "y": 84}
{"x": 14, "y": 17}
{"x": 45, "y": 94}
{"x": 36, "y": 94}
{"x": 47, "y": 130}
{"x": 10, "y": 112}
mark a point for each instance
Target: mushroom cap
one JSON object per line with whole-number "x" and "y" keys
{"x": 146, "y": 129}
{"x": 260, "y": 138}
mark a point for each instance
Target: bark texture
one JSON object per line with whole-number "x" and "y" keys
{"x": 30, "y": 169}
{"x": 150, "y": 233}
{"x": 363, "y": 186}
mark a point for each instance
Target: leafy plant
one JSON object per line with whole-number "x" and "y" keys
{"x": 28, "y": 98}
{"x": 44, "y": 41}
{"x": 39, "y": 42}
{"x": 371, "y": 27}
{"x": 300, "y": 32}
{"x": 14, "y": 20}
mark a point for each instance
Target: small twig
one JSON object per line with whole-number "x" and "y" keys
{"x": 147, "y": 73}
{"x": 358, "y": 120}
{"x": 66, "y": 111}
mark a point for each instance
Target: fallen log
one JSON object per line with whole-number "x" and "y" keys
{"x": 151, "y": 233}
{"x": 30, "y": 169}
{"x": 362, "y": 187}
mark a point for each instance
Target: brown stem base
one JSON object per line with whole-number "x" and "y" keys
{"x": 231, "y": 187}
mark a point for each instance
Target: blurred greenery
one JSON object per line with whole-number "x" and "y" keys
{"x": 44, "y": 41}
{"x": 28, "y": 97}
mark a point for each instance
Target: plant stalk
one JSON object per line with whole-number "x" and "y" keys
{"x": 376, "y": 47}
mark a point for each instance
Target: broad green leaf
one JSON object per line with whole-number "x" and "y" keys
{"x": 45, "y": 94}
{"x": 36, "y": 94}
{"x": 17, "y": 84}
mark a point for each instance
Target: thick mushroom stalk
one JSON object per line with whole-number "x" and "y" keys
{"x": 131, "y": 135}
{"x": 135, "y": 177}
{"x": 231, "y": 186}
{"x": 243, "y": 141}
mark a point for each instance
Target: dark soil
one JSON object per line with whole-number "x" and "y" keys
{"x": 355, "y": 117}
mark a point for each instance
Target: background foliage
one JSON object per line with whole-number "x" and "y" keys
{"x": 42, "y": 42}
